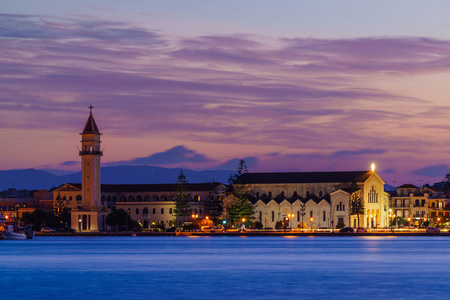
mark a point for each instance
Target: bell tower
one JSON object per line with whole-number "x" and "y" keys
{"x": 89, "y": 215}
{"x": 90, "y": 163}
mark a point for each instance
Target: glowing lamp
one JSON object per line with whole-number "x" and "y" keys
{"x": 373, "y": 167}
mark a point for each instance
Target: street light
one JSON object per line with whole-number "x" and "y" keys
{"x": 291, "y": 216}
{"x": 311, "y": 219}
{"x": 302, "y": 211}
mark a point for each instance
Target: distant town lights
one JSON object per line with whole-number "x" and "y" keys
{"x": 373, "y": 167}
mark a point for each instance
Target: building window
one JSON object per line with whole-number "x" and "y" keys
{"x": 320, "y": 194}
{"x": 154, "y": 210}
{"x": 145, "y": 211}
{"x": 170, "y": 211}
{"x": 308, "y": 193}
{"x": 373, "y": 196}
{"x": 260, "y": 216}
{"x": 273, "y": 216}
{"x": 137, "y": 211}
{"x": 162, "y": 210}
{"x": 324, "y": 216}
{"x": 298, "y": 216}
{"x": 310, "y": 213}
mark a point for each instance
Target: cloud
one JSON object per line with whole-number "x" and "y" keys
{"x": 432, "y": 171}
{"x": 232, "y": 164}
{"x": 358, "y": 152}
{"x": 322, "y": 97}
{"x": 176, "y": 155}
{"x": 70, "y": 163}
{"x": 389, "y": 171}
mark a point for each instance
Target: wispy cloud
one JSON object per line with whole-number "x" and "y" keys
{"x": 303, "y": 94}
{"x": 175, "y": 156}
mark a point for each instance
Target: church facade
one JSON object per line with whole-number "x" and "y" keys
{"x": 316, "y": 199}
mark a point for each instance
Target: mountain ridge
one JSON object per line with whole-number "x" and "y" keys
{"x": 33, "y": 179}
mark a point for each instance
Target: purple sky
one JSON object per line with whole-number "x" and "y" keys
{"x": 181, "y": 94}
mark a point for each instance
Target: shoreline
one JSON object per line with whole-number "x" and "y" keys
{"x": 243, "y": 234}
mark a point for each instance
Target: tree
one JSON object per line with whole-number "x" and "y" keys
{"x": 241, "y": 170}
{"x": 38, "y": 218}
{"x": 118, "y": 218}
{"x": 257, "y": 225}
{"x": 242, "y": 208}
{"x": 447, "y": 181}
{"x": 213, "y": 205}
{"x": 182, "y": 205}
{"x": 58, "y": 206}
{"x": 356, "y": 204}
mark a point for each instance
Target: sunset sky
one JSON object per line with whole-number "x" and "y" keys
{"x": 288, "y": 85}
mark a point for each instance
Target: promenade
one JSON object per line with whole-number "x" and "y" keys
{"x": 256, "y": 233}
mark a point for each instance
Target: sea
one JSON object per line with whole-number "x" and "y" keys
{"x": 287, "y": 267}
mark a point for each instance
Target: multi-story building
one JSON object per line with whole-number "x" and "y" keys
{"x": 418, "y": 205}
{"x": 146, "y": 203}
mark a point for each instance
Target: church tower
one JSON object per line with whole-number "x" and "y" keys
{"x": 89, "y": 215}
{"x": 90, "y": 163}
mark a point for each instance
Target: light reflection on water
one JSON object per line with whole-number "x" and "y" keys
{"x": 225, "y": 267}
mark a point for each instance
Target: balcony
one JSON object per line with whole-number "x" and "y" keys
{"x": 91, "y": 152}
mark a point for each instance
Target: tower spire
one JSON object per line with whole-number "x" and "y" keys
{"x": 91, "y": 126}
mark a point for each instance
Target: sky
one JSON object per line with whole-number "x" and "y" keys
{"x": 287, "y": 85}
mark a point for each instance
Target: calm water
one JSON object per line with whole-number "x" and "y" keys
{"x": 225, "y": 268}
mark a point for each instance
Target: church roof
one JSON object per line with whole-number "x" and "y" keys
{"x": 140, "y": 188}
{"x": 91, "y": 126}
{"x": 305, "y": 177}
{"x": 408, "y": 186}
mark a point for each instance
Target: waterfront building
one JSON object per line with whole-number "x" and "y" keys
{"x": 148, "y": 204}
{"x": 418, "y": 205}
{"x": 316, "y": 199}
